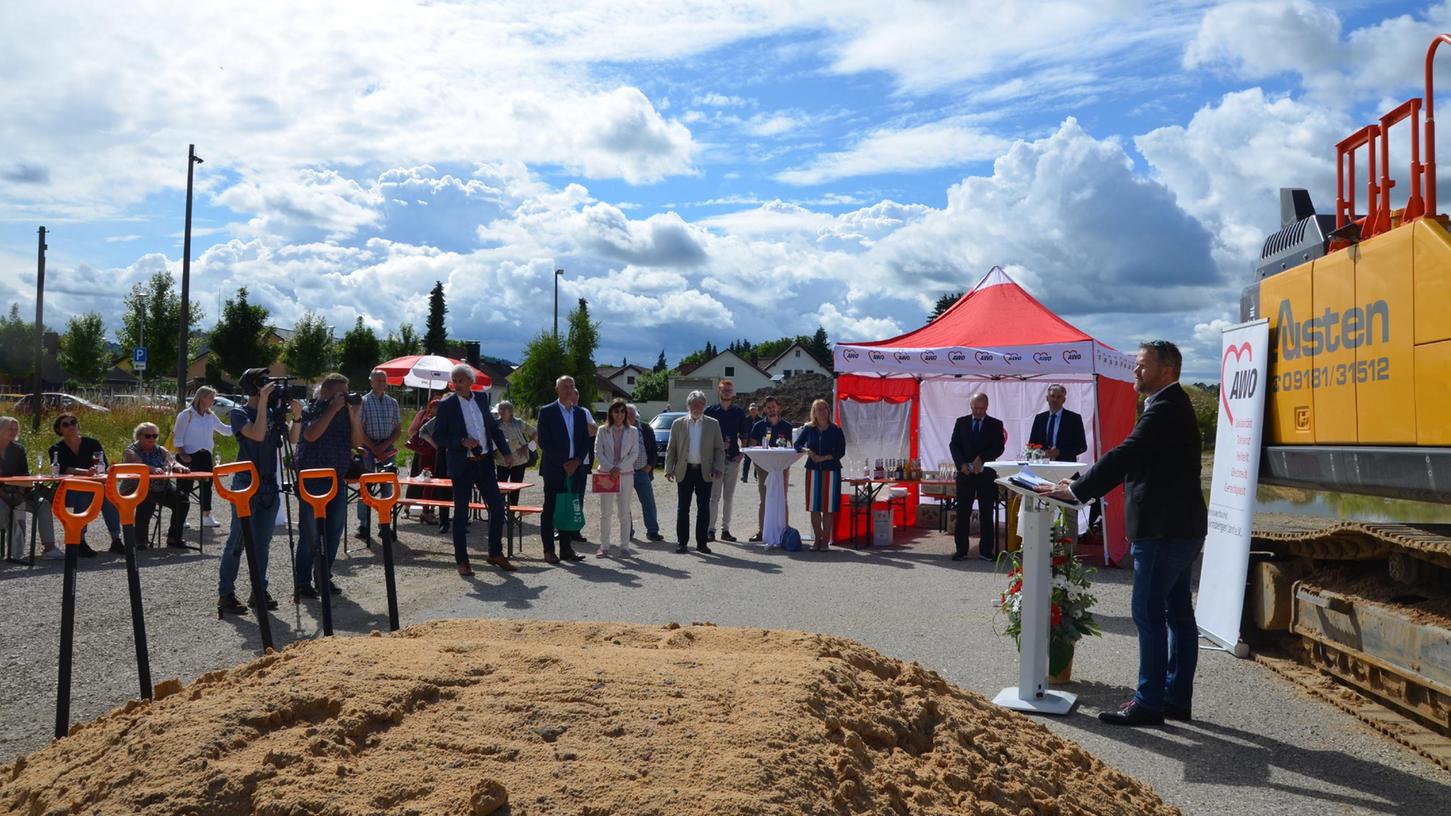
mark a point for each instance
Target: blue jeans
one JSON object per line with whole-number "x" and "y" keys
{"x": 645, "y": 490}
{"x": 263, "y": 519}
{"x": 370, "y": 464}
{"x": 78, "y": 502}
{"x": 1164, "y": 615}
{"x": 336, "y": 521}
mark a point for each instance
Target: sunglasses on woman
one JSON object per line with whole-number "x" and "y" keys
{"x": 69, "y": 423}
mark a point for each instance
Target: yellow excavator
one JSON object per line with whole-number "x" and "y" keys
{"x": 1359, "y": 401}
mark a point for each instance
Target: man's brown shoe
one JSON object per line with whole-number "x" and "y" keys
{"x": 551, "y": 559}
{"x": 502, "y": 563}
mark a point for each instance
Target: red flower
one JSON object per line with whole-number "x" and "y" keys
{"x": 1057, "y": 615}
{"x": 1035, "y": 447}
{"x": 1015, "y": 587}
{"x": 1060, "y": 560}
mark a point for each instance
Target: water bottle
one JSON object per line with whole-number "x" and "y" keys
{"x": 426, "y": 475}
{"x": 54, "y": 466}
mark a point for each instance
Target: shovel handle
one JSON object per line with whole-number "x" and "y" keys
{"x": 318, "y": 501}
{"x": 241, "y": 498}
{"x": 126, "y": 504}
{"x": 75, "y": 523}
{"x": 382, "y": 505}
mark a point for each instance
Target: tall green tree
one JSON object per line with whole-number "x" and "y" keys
{"x": 151, "y": 317}
{"x": 17, "y": 346}
{"x": 405, "y": 342}
{"x": 532, "y": 383}
{"x": 660, "y": 364}
{"x": 358, "y": 353}
{"x": 308, "y": 351}
{"x": 84, "y": 352}
{"x": 240, "y": 339}
{"x": 652, "y": 386}
{"x": 579, "y": 350}
{"x": 820, "y": 348}
{"x": 435, "y": 335}
{"x": 944, "y": 303}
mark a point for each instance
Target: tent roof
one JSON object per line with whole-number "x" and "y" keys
{"x": 996, "y": 312}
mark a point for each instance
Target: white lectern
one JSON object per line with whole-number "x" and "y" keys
{"x": 1035, "y": 523}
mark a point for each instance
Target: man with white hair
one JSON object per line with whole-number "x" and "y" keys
{"x": 466, "y": 429}
{"x": 565, "y": 450}
{"x": 163, "y": 492}
{"x": 695, "y": 458}
{"x": 1059, "y": 431}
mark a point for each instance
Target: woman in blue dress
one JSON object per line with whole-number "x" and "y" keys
{"x": 825, "y": 447}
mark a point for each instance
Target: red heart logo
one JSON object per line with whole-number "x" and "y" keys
{"x": 1242, "y": 348}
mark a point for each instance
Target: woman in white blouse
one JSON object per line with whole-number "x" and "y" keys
{"x": 193, "y": 437}
{"x": 617, "y": 446}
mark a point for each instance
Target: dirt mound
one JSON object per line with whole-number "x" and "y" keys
{"x": 795, "y": 396}
{"x": 464, "y": 717}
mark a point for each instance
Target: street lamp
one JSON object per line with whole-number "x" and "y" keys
{"x": 192, "y": 160}
{"x": 557, "y": 274}
{"x": 39, "y": 330}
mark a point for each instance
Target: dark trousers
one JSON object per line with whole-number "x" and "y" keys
{"x": 467, "y": 475}
{"x": 512, "y": 474}
{"x": 981, "y": 490}
{"x": 694, "y": 484}
{"x": 164, "y": 494}
{"x": 552, "y": 489}
{"x": 202, "y": 460}
{"x": 1164, "y": 615}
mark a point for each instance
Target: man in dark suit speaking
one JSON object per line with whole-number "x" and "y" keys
{"x": 1058, "y": 430}
{"x": 976, "y": 438}
{"x": 467, "y": 430}
{"x": 564, "y": 450}
{"x": 1166, "y": 519}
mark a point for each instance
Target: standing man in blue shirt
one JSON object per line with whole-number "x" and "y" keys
{"x": 565, "y": 449}
{"x": 770, "y": 432}
{"x": 732, "y": 420}
{"x": 330, "y": 430}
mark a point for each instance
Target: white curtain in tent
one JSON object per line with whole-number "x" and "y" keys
{"x": 875, "y": 430}
{"x": 1015, "y": 402}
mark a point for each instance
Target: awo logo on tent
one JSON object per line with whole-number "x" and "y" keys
{"x": 956, "y": 357}
{"x": 876, "y": 356}
{"x": 851, "y": 354}
{"x": 1011, "y": 357}
{"x": 1072, "y": 356}
{"x": 1041, "y": 357}
{"x": 929, "y": 356}
{"x": 984, "y": 357}
{"x": 901, "y": 356}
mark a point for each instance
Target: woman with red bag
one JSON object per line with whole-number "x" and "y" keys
{"x": 617, "y": 445}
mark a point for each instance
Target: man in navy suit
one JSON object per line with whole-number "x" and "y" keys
{"x": 1166, "y": 520}
{"x": 977, "y": 438}
{"x": 564, "y": 453}
{"x": 467, "y": 431}
{"x": 1058, "y": 430}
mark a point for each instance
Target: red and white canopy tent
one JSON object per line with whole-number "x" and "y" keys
{"x": 428, "y": 371}
{"x": 899, "y": 398}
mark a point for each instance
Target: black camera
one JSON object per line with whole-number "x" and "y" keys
{"x": 355, "y": 398}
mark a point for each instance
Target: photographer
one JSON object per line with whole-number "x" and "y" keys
{"x": 255, "y": 426}
{"x": 382, "y": 421}
{"x": 331, "y": 428}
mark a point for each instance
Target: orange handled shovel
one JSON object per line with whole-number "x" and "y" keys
{"x": 75, "y": 527}
{"x": 126, "y": 505}
{"x": 241, "y": 500}
{"x": 383, "y": 505}
{"x": 322, "y": 574}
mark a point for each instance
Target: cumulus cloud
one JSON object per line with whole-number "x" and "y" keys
{"x": 930, "y": 146}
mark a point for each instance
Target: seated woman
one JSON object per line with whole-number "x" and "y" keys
{"x": 16, "y": 500}
{"x": 825, "y": 447}
{"x": 163, "y": 492}
{"x": 76, "y": 455}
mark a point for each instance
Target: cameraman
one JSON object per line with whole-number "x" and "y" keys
{"x": 329, "y": 434}
{"x": 255, "y": 426}
{"x": 382, "y": 421}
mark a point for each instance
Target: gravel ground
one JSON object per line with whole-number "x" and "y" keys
{"x": 1258, "y": 746}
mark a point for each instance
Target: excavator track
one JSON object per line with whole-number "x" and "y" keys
{"x": 1300, "y": 537}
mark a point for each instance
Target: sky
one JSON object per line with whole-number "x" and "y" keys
{"x": 700, "y": 170}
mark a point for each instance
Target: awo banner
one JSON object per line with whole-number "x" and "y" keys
{"x": 1242, "y": 383}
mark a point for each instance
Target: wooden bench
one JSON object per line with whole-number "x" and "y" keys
{"x": 514, "y": 515}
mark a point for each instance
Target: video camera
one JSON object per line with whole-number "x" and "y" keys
{"x": 253, "y": 380}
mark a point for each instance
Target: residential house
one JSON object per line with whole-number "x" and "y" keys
{"x": 796, "y": 359}
{"x": 705, "y": 376}
{"x": 624, "y": 377}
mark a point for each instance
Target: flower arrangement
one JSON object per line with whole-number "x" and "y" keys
{"x": 1069, "y": 615}
{"x": 1033, "y": 452}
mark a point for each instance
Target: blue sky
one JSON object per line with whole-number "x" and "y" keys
{"x": 702, "y": 171}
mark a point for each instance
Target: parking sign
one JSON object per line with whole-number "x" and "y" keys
{"x": 138, "y": 358}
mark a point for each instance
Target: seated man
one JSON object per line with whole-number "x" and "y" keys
{"x": 145, "y": 451}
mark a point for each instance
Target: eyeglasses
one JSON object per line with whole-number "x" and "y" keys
{"x": 69, "y": 423}
{"x": 149, "y": 436}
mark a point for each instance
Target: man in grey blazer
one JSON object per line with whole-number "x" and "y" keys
{"x": 694, "y": 459}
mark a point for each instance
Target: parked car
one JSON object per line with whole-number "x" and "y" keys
{"x": 145, "y": 401}
{"x": 54, "y": 401}
{"x": 661, "y": 425}
{"x": 222, "y": 406}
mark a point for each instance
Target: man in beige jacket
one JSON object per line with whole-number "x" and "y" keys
{"x": 694, "y": 459}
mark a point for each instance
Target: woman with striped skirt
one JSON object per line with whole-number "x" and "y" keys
{"x": 825, "y": 447}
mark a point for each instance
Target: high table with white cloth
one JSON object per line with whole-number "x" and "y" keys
{"x": 1035, "y": 523}
{"x": 774, "y": 461}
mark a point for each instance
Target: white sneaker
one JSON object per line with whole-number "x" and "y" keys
{"x": 604, "y": 552}
{"x": 53, "y": 554}
{"x": 208, "y": 521}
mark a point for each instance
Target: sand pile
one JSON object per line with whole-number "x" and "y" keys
{"x": 480, "y": 717}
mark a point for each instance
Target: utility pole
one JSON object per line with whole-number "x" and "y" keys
{"x": 182, "y": 358}
{"x": 557, "y": 274}
{"x": 35, "y": 399}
